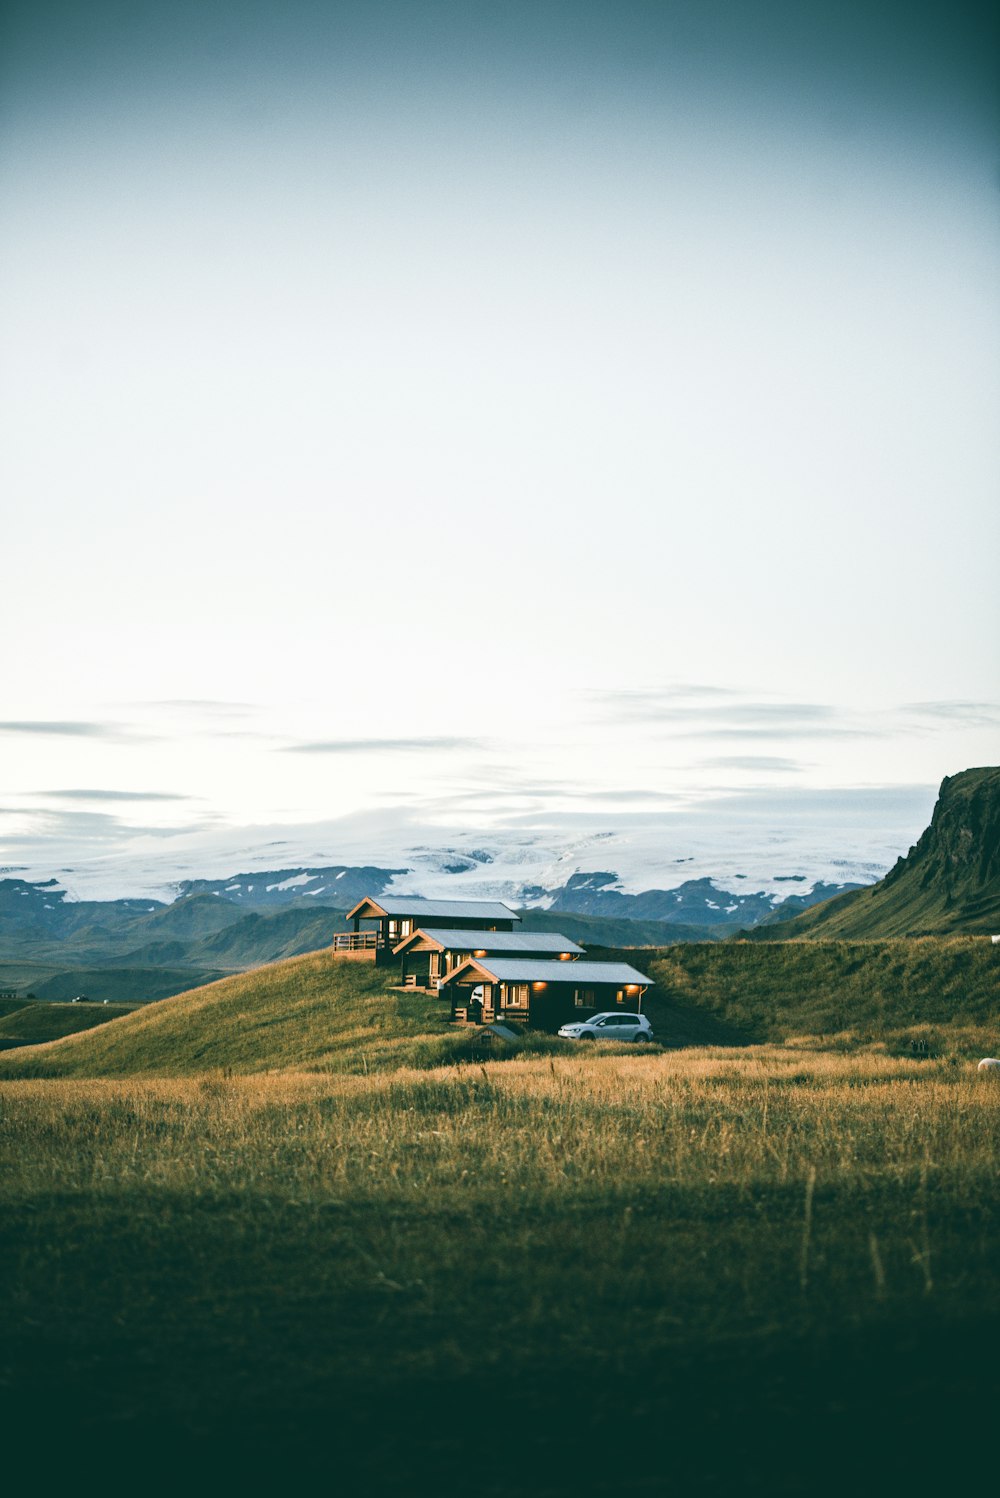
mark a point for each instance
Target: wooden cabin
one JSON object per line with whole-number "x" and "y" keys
{"x": 398, "y": 916}
{"x": 541, "y": 992}
{"x": 428, "y": 956}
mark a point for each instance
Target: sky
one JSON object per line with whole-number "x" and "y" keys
{"x": 493, "y": 415}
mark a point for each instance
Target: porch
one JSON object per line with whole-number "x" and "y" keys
{"x": 359, "y": 945}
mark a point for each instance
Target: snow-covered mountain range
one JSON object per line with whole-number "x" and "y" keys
{"x": 642, "y": 869}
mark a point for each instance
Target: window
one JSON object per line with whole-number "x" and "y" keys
{"x": 583, "y": 998}
{"x": 517, "y": 995}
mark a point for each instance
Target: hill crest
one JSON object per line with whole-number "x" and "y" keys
{"x": 947, "y": 884}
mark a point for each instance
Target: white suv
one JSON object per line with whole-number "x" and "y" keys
{"x": 613, "y": 1026}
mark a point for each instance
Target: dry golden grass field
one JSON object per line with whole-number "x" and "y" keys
{"x": 768, "y": 1269}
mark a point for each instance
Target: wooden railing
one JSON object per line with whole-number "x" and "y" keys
{"x": 355, "y": 941}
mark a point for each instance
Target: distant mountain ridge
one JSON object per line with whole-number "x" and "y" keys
{"x": 947, "y": 884}
{"x": 337, "y": 885}
{"x": 696, "y": 902}
{"x": 133, "y": 949}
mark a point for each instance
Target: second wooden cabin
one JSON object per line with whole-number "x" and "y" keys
{"x": 428, "y": 956}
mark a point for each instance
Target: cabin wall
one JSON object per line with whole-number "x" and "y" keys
{"x": 416, "y": 968}
{"x": 545, "y": 1009}
{"x": 556, "y": 1005}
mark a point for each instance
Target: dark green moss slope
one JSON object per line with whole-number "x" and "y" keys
{"x": 948, "y": 883}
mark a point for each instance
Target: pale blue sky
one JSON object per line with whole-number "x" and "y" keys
{"x": 581, "y": 350}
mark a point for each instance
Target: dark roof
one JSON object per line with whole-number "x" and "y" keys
{"x": 460, "y": 910}
{"x": 494, "y": 941}
{"x": 527, "y": 970}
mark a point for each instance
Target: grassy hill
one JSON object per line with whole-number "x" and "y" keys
{"x": 872, "y": 989}
{"x": 314, "y": 1010}
{"x": 35, "y": 1022}
{"x": 122, "y": 985}
{"x": 320, "y": 1011}
{"x": 949, "y": 882}
{"x": 610, "y": 930}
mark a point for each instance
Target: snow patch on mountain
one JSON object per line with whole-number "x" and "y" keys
{"x": 748, "y": 847}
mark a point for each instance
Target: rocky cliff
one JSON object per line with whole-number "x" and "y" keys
{"x": 948, "y": 883}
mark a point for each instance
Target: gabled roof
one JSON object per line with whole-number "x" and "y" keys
{"x": 448, "y": 939}
{"x": 529, "y": 970}
{"x": 413, "y": 905}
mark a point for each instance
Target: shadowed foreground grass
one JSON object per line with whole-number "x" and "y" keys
{"x": 587, "y": 1274}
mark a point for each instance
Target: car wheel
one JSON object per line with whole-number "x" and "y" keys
{"x": 591, "y": 1038}
{"x": 641, "y": 1038}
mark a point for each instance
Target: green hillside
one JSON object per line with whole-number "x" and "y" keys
{"x": 36, "y": 1022}
{"x": 948, "y": 883}
{"x": 320, "y": 1011}
{"x": 875, "y": 989}
{"x": 306, "y": 1011}
{"x": 122, "y": 985}
{"x": 611, "y": 930}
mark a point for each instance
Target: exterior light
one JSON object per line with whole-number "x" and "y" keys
{"x": 480, "y": 953}
{"x": 632, "y": 988}
{"x": 538, "y": 986}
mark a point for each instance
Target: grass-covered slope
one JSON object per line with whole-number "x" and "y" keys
{"x": 875, "y": 989}
{"x": 948, "y": 883}
{"x": 35, "y": 1022}
{"x": 308, "y": 1010}
{"x": 123, "y": 985}
{"x": 320, "y": 1011}
{"x": 607, "y": 931}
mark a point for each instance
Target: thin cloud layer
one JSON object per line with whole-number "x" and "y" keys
{"x": 971, "y": 714}
{"x": 100, "y": 795}
{"x": 62, "y": 728}
{"x": 90, "y": 831}
{"x": 769, "y": 763}
{"x": 381, "y": 746}
{"x": 679, "y": 715}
